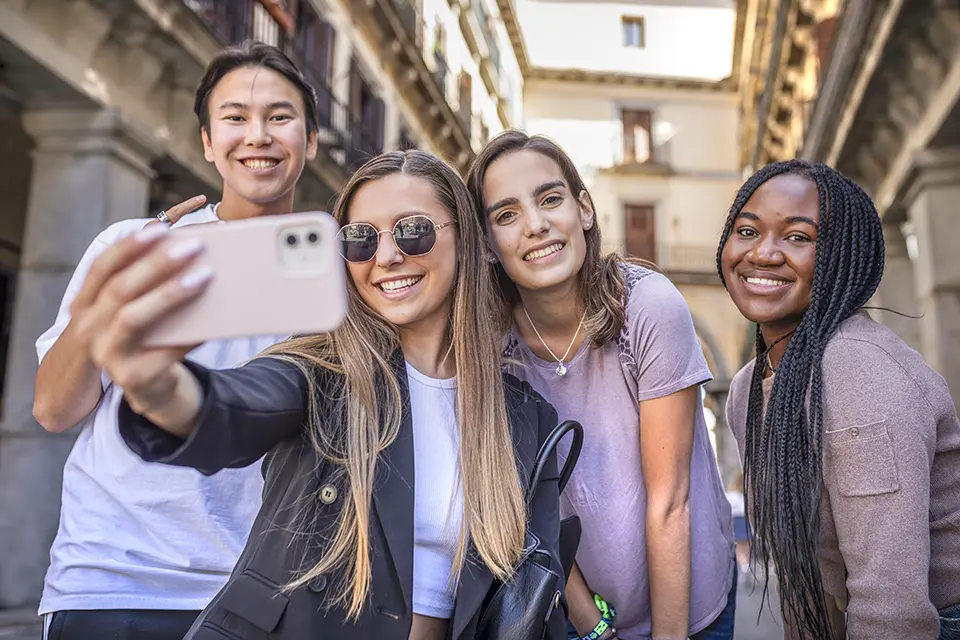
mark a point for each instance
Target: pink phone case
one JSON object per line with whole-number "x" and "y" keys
{"x": 264, "y": 283}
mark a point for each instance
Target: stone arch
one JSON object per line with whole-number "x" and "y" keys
{"x": 711, "y": 351}
{"x": 728, "y": 459}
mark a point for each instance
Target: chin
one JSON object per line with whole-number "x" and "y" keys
{"x": 553, "y": 278}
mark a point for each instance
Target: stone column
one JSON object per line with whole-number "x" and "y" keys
{"x": 89, "y": 170}
{"x": 932, "y": 204}
{"x": 728, "y": 457}
{"x": 897, "y": 289}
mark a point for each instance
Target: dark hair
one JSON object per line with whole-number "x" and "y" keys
{"x": 601, "y": 280}
{"x": 784, "y": 448}
{"x": 253, "y": 54}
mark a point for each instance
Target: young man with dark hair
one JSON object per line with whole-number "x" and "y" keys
{"x": 142, "y": 548}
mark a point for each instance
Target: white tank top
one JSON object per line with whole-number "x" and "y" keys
{"x": 438, "y": 507}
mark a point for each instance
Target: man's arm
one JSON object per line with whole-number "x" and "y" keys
{"x": 68, "y": 385}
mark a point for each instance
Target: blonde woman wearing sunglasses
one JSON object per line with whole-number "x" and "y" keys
{"x": 396, "y": 449}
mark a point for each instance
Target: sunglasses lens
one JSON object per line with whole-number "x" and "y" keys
{"x": 415, "y": 236}
{"x": 358, "y": 242}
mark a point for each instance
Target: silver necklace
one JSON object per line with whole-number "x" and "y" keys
{"x": 770, "y": 364}
{"x": 561, "y": 368}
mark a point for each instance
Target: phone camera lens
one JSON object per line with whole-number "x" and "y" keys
{"x": 292, "y": 240}
{"x": 312, "y": 237}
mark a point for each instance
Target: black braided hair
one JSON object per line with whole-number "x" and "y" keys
{"x": 784, "y": 448}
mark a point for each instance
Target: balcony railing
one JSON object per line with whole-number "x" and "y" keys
{"x": 683, "y": 258}
{"x": 232, "y": 21}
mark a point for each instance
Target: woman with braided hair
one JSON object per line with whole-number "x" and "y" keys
{"x": 850, "y": 442}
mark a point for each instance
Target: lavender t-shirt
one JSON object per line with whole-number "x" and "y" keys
{"x": 656, "y": 354}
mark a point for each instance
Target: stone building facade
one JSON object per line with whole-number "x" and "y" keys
{"x": 885, "y": 112}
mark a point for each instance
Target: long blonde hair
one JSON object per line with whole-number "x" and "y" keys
{"x": 494, "y": 511}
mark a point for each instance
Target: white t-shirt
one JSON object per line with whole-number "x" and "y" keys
{"x": 137, "y": 535}
{"x": 437, "y": 502}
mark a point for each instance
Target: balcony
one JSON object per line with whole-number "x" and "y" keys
{"x": 688, "y": 263}
{"x": 232, "y": 21}
{"x": 422, "y": 74}
{"x": 477, "y": 27}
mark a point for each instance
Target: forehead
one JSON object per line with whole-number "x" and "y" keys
{"x": 518, "y": 173}
{"x": 383, "y": 201}
{"x": 786, "y": 195}
{"x": 253, "y": 86}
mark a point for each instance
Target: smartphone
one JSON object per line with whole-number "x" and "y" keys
{"x": 273, "y": 275}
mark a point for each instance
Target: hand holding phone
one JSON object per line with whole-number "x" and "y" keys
{"x": 274, "y": 275}
{"x": 159, "y": 292}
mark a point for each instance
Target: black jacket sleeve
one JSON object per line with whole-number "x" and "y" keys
{"x": 245, "y": 413}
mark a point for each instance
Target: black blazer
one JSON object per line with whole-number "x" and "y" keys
{"x": 259, "y": 409}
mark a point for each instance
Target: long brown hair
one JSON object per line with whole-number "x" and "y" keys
{"x": 601, "y": 283}
{"x": 494, "y": 512}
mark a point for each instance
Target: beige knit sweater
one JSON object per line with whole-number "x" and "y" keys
{"x": 890, "y": 508}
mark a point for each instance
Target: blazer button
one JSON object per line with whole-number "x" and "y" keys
{"x": 318, "y": 584}
{"x": 328, "y": 494}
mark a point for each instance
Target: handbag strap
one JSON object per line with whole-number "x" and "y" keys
{"x": 548, "y": 447}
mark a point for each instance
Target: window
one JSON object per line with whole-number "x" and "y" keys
{"x": 314, "y": 44}
{"x": 637, "y": 139}
{"x": 640, "y": 231}
{"x": 465, "y": 97}
{"x": 440, "y": 38}
{"x": 634, "y": 32}
{"x": 367, "y": 114}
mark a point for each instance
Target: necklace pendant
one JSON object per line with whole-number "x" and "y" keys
{"x": 561, "y": 370}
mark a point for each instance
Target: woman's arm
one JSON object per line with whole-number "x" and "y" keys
{"x": 880, "y": 441}
{"x": 666, "y": 447}
{"x": 584, "y": 614}
{"x": 221, "y": 419}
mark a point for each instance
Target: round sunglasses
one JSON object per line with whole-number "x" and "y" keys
{"x": 415, "y": 236}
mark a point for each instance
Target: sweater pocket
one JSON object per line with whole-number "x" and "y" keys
{"x": 863, "y": 461}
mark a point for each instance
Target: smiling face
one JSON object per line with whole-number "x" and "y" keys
{"x": 412, "y": 293}
{"x": 257, "y": 135}
{"x": 768, "y": 260}
{"x": 535, "y": 223}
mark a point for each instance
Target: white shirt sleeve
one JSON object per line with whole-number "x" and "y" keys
{"x": 109, "y": 236}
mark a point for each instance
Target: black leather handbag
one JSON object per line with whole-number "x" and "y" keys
{"x": 519, "y": 609}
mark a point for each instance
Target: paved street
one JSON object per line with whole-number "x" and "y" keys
{"x": 748, "y": 627}
{"x": 20, "y": 624}
{"x": 23, "y": 625}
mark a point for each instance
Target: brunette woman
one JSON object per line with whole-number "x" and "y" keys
{"x": 612, "y": 345}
